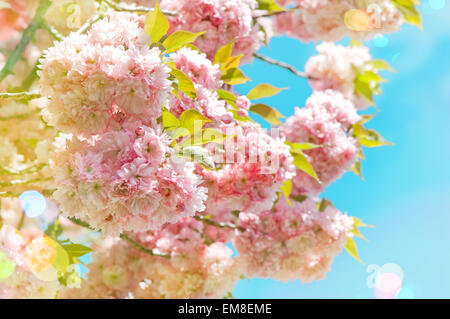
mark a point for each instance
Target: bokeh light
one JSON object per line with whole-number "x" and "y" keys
{"x": 437, "y": 4}
{"x": 380, "y": 41}
{"x": 356, "y": 20}
{"x": 33, "y": 203}
{"x": 387, "y": 286}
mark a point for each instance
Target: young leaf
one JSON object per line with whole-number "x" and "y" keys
{"x": 198, "y": 154}
{"x": 156, "y": 24}
{"x": 185, "y": 84}
{"x": 54, "y": 230}
{"x": 169, "y": 120}
{"x": 179, "y": 39}
{"x": 263, "y": 90}
{"x": 379, "y": 65}
{"x": 301, "y": 162}
{"x": 286, "y": 189}
{"x": 189, "y": 117}
{"x": 409, "y": 11}
{"x": 228, "y": 97}
{"x": 231, "y": 63}
{"x": 351, "y": 248}
{"x": 234, "y": 77}
{"x": 268, "y": 113}
{"x": 269, "y": 5}
{"x": 76, "y": 250}
{"x": 224, "y": 53}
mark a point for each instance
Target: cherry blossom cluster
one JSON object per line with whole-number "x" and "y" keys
{"x": 221, "y": 20}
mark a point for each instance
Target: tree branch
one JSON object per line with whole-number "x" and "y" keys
{"x": 118, "y": 7}
{"x": 283, "y": 65}
{"x": 122, "y": 236}
{"x": 89, "y": 23}
{"x": 58, "y": 36}
{"x": 218, "y": 224}
{"x": 27, "y": 35}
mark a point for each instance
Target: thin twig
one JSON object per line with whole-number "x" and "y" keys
{"x": 89, "y": 23}
{"x": 120, "y": 7}
{"x": 218, "y": 224}
{"x": 20, "y": 96}
{"x": 27, "y": 35}
{"x": 58, "y": 36}
{"x": 266, "y": 15}
{"x": 283, "y": 65}
{"x": 122, "y": 236}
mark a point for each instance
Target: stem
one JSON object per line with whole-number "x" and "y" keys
{"x": 122, "y": 236}
{"x": 283, "y": 65}
{"x": 58, "y": 36}
{"x": 218, "y": 224}
{"x": 142, "y": 248}
{"x": 20, "y": 96}
{"x": 266, "y": 15}
{"x": 28, "y": 182}
{"x": 118, "y": 7}
{"x": 27, "y": 35}
{"x": 29, "y": 80}
{"x": 89, "y": 23}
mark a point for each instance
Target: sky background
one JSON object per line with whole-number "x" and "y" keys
{"x": 406, "y": 192}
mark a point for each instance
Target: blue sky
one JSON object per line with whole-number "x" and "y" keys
{"x": 406, "y": 192}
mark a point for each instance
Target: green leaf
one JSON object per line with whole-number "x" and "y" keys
{"x": 299, "y": 147}
{"x": 228, "y": 97}
{"x": 263, "y": 90}
{"x": 62, "y": 260}
{"x": 364, "y": 90}
{"x": 268, "y": 113}
{"x": 185, "y": 84}
{"x": 76, "y": 250}
{"x": 299, "y": 198}
{"x": 156, "y": 24}
{"x": 323, "y": 204}
{"x": 234, "y": 77}
{"x": 301, "y": 162}
{"x": 286, "y": 188}
{"x": 368, "y": 138}
{"x": 54, "y": 230}
{"x": 180, "y": 132}
{"x": 379, "y": 65}
{"x": 269, "y": 5}
{"x": 198, "y": 154}
{"x": 409, "y": 11}
{"x": 370, "y": 76}
{"x": 179, "y": 39}
{"x": 351, "y": 248}
{"x": 169, "y": 120}
{"x": 231, "y": 63}
{"x": 189, "y": 117}
{"x": 224, "y": 53}
{"x": 207, "y": 135}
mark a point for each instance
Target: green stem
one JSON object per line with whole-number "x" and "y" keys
{"x": 58, "y": 36}
{"x": 27, "y": 36}
{"x": 89, "y": 23}
{"x": 20, "y": 96}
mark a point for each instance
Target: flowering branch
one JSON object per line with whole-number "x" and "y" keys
{"x": 118, "y": 7}
{"x": 218, "y": 224}
{"x": 27, "y": 35}
{"x": 283, "y": 65}
{"x": 122, "y": 236}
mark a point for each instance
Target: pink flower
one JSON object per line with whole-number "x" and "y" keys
{"x": 291, "y": 242}
{"x": 324, "y": 121}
